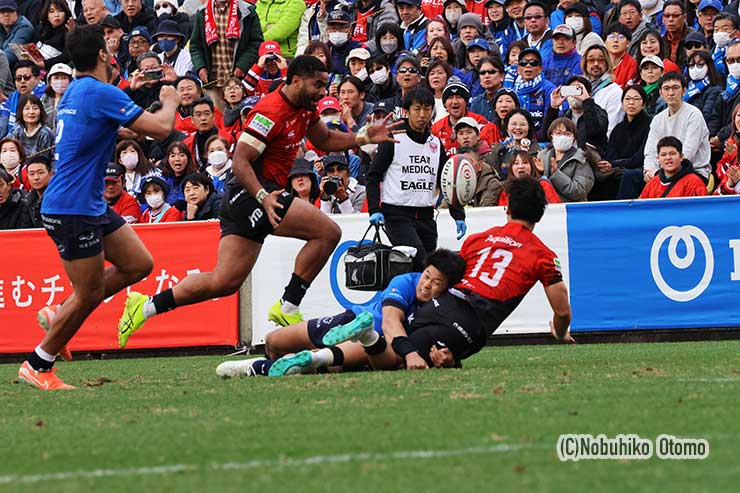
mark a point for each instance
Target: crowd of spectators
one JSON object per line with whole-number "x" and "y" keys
{"x": 599, "y": 100}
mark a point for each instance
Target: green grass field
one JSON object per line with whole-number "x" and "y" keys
{"x": 169, "y": 424}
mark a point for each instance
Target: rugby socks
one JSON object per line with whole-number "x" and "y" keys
{"x": 378, "y": 347}
{"x": 162, "y": 302}
{"x": 262, "y": 367}
{"x": 40, "y": 360}
{"x": 293, "y": 294}
{"x": 369, "y": 337}
{"x": 326, "y": 357}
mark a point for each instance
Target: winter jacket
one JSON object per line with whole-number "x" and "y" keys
{"x": 489, "y": 187}
{"x": 38, "y": 144}
{"x": 720, "y": 123}
{"x": 247, "y": 48}
{"x": 127, "y": 207}
{"x": 146, "y": 18}
{"x": 21, "y": 33}
{"x": 54, "y": 37}
{"x": 210, "y": 209}
{"x": 707, "y": 100}
{"x": 559, "y": 68}
{"x": 501, "y": 155}
{"x": 573, "y": 178}
{"x": 7, "y": 109}
{"x": 280, "y": 20}
{"x": 339, "y": 56}
{"x": 13, "y": 213}
{"x": 626, "y": 148}
{"x": 168, "y": 214}
{"x": 591, "y": 127}
{"x": 688, "y": 184}
{"x": 32, "y": 202}
{"x": 415, "y": 36}
{"x": 484, "y": 107}
{"x": 728, "y": 159}
{"x": 383, "y": 12}
{"x": 558, "y": 17}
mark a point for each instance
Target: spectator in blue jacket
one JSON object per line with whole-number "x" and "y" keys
{"x": 413, "y": 24}
{"x": 498, "y": 21}
{"x": 491, "y": 76}
{"x": 516, "y": 29}
{"x": 475, "y": 52}
{"x": 532, "y": 87}
{"x": 14, "y": 28}
{"x": 558, "y": 15}
{"x": 339, "y": 30}
{"x": 565, "y": 60}
{"x": 26, "y": 81}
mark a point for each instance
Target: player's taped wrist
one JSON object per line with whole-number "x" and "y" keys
{"x": 362, "y": 137}
{"x": 402, "y": 346}
{"x": 260, "y": 195}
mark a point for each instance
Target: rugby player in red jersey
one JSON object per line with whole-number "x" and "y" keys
{"x": 256, "y": 205}
{"x": 502, "y": 264}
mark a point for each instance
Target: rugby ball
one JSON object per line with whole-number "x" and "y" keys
{"x": 458, "y": 180}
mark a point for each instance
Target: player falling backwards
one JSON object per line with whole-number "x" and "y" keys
{"x": 502, "y": 264}
{"x": 85, "y": 230}
{"x": 256, "y": 205}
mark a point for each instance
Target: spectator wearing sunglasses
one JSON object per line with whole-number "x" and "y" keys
{"x": 408, "y": 77}
{"x": 625, "y": 67}
{"x": 695, "y": 42}
{"x": 27, "y": 81}
{"x": 537, "y": 25}
{"x": 491, "y": 77}
{"x": 532, "y": 87}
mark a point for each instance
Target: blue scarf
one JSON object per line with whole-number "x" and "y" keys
{"x": 719, "y": 60}
{"x": 525, "y": 89}
{"x": 733, "y": 85}
{"x": 510, "y": 75}
{"x": 696, "y": 87}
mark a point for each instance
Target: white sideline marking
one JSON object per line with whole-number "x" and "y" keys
{"x": 718, "y": 379}
{"x": 260, "y": 463}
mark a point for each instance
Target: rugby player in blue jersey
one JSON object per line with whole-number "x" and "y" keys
{"x": 394, "y": 310}
{"x": 84, "y": 228}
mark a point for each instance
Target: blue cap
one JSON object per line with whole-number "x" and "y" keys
{"x": 8, "y": 5}
{"x": 409, "y": 2}
{"x": 140, "y": 31}
{"x": 339, "y": 14}
{"x": 710, "y": 3}
{"x": 479, "y": 43}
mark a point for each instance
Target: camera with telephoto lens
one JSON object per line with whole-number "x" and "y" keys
{"x": 332, "y": 184}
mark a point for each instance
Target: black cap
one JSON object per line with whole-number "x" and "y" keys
{"x": 578, "y": 8}
{"x": 154, "y": 179}
{"x": 301, "y": 167}
{"x": 530, "y": 51}
{"x": 384, "y": 106}
{"x": 114, "y": 171}
{"x": 335, "y": 160}
{"x": 110, "y": 21}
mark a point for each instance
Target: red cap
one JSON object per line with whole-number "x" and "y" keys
{"x": 270, "y": 47}
{"x": 329, "y": 103}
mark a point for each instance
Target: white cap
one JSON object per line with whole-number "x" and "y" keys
{"x": 360, "y": 53}
{"x": 652, "y": 59}
{"x": 468, "y": 122}
{"x": 60, "y": 68}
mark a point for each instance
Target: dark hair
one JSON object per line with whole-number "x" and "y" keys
{"x": 84, "y": 44}
{"x": 496, "y": 61}
{"x": 396, "y": 31}
{"x": 192, "y": 79}
{"x": 634, "y": 3}
{"x": 18, "y": 146}
{"x": 320, "y": 45}
{"x": 447, "y": 46}
{"x": 530, "y": 121}
{"x": 536, "y": 3}
{"x": 639, "y": 90}
{"x": 198, "y": 179}
{"x": 145, "y": 56}
{"x": 437, "y": 63}
{"x": 144, "y": 165}
{"x": 238, "y": 82}
{"x": 351, "y": 79}
{"x": 618, "y": 28}
{"x": 378, "y": 60}
{"x": 715, "y": 79}
{"x": 35, "y": 70}
{"x": 44, "y": 15}
{"x": 407, "y": 58}
{"x": 564, "y": 121}
{"x": 204, "y": 100}
{"x": 521, "y": 44}
{"x": 526, "y": 156}
{"x": 450, "y": 264}
{"x": 419, "y": 94}
{"x": 527, "y": 200}
{"x": 588, "y": 27}
{"x": 669, "y": 76}
{"x": 214, "y": 138}
{"x": 675, "y": 3}
{"x": 579, "y": 78}
{"x": 40, "y": 159}
{"x": 6, "y": 177}
{"x": 656, "y": 34}
{"x": 670, "y": 141}
{"x": 32, "y": 99}
{"x": 167, "y": 170}
{"x": 728, "y": 17}
{"x": 304, "y": 66}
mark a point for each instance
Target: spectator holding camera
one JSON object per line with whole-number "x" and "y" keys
{"x": 339, "y": 192}
{"x": 676, "y": 176}
{"x": 270, "y": 66}
{"x": 13, "y": 212}
{"x": 116, "y": 196}
{"x": 202, "y": 201}
{"x": 148, "y": 80}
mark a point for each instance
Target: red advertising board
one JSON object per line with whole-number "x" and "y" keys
{"x": 31, "y": 276}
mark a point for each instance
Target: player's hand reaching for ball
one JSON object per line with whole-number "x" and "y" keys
{"x": 270, "y": 204}
{"x": 169, "y": 94}
{"x": 415, "y": 362}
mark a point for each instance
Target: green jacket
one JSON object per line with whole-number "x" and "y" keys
{"x": 246, "y": 50}
{"x": 280, "y": 21}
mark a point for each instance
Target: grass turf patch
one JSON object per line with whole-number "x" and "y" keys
{"x": 169, "y": 424}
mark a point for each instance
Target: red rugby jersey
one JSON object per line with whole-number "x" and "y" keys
{"x": 502, "y": 265}
{"x": 276, "y": 128}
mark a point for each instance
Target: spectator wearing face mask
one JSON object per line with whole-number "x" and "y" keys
{"x": 170, "y": 40}
{"x": 559, "y": 15}
{"x": 384, "y": 85}
{"x": 153, "y": 192}
{"x": 453, "y": 10}
{"x": 13, "y": 212}
{"x": 581, "y": 19}
{"x": 565, "y": 163}
{"x": 357, "y": 64}
{"x": 59, "y": 78}
{"x": 13, "y": 159}
{"x": 169, "y": 9}
{"x": 219, "y": 162}
{"x": 726, "y": 28}
{"x": 130, "y": 155}
{"x": 123, "y": 203}
{"x": 389, "y": 42}
{"x": 721, "y": 119}
{"x": 339, "y": 31}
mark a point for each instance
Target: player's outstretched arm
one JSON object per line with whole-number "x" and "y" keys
{"x": 557, "y": 296}
{"x": 332, "y": 140}
{"x": 400, "y": 349}
{"x": 159, "y": 125}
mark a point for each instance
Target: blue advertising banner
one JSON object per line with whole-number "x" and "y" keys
{"x": 655, "y": 264}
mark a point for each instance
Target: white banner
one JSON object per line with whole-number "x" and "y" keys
{"x": 328, "y": 294}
